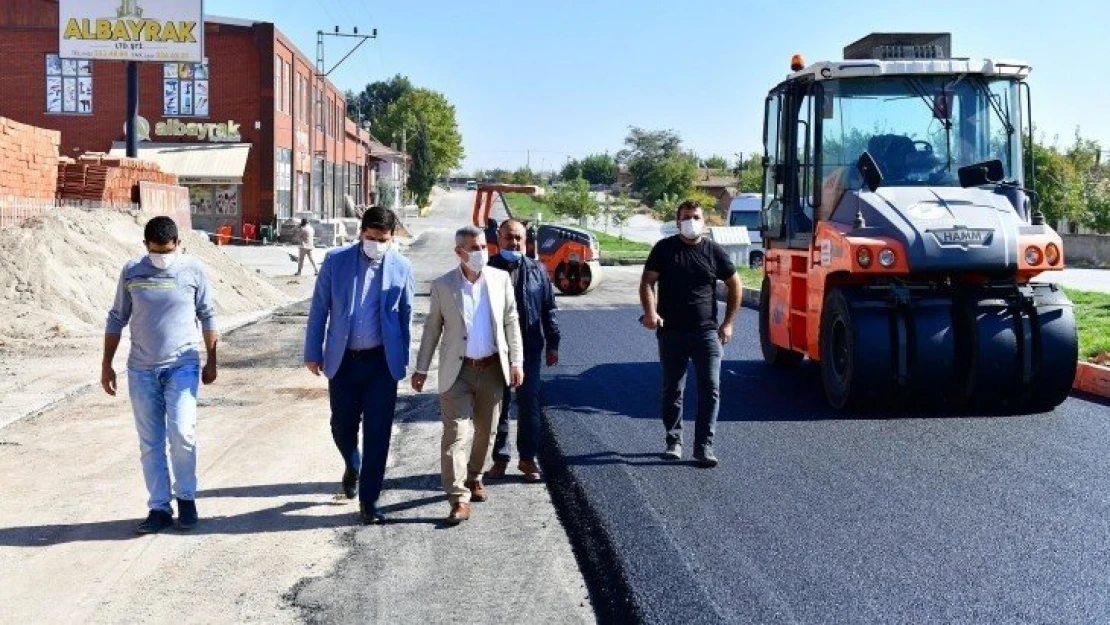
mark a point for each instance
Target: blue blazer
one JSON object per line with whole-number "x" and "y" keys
{"x": 333, "y": 307}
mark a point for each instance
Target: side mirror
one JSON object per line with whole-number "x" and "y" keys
{"x": 869, "y": 170}
{"x": 979, "y": 174}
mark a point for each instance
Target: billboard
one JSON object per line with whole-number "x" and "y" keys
{"x": 131, "y": 30}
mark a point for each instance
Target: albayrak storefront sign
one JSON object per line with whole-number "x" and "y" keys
{"x": 221, "y": 132}
{"x": 132, "y": 30}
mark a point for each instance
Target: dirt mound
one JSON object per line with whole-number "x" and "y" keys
{"x": 58, "y": 274}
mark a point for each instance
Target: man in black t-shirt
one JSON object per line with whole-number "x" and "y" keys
{"x": 686, "y": 268}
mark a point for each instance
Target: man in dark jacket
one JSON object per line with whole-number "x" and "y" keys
{"x": 535, "y": 302}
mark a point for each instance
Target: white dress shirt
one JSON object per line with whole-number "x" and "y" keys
{"x": 478, "y": 316}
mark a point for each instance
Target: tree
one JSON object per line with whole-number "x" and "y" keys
{"x": 750, "y": 175}
{"x": 372, "y": 102}
{"x": 572, "y": 170}
{"x": 402, "y": 117}
{"x": 574, "y": 200}
{"x": 716, "y": 162}
{"x": 423, "y": 176}
{"x": 657, "y": 165}
{"x": 524, "y": 175}
{"x": 599, "y": 169}
{"x": 619, "y": 214}
{"x": 1059, "y": 188}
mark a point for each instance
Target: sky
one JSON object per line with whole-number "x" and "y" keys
{"x": 537, "y": 82}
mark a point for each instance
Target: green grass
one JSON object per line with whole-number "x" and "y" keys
{"x": 1092, "y": 316}
{"x": 615, "y": 245}
{"x": 750, "y": 278}
{"x": 525, "y": 207}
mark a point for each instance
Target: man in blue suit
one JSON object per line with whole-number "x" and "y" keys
{"x": 363, "y": 297}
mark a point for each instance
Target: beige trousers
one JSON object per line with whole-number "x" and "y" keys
{"x": 469, "y": 410}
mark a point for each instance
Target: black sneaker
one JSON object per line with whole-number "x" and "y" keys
{"x": 155, "y": 522}
{"x": 705, "y": 458}
{"x": 369, "y": 515}
{"x": 186, "y": 514}
{"x": 674, "y": 451}
{"x": 350, "y": 483}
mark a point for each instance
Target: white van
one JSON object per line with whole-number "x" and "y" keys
{"x": 744, "y": 211}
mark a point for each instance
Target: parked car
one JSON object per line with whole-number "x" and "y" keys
{"x": 471, "y": 185}
{"x": 744, "y": 210}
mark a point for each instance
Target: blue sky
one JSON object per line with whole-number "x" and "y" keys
{"x": 566, "y": 78}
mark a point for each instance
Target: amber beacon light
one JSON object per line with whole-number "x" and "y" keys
{"x": 797, "y": 63}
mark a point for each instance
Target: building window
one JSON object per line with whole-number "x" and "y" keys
{"x": 185, "y": 89}
{"x": 318, "y": 186}
{"x": 279, "y": 101}
{"x": 287, "y": 88}
{"x": 69, "y": 85}
{"x": 329, "y": 189}
{"x": 283, "y": 184}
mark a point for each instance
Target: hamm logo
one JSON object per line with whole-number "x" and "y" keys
{"x": 963, "y": 237}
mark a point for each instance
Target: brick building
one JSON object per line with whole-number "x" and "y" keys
{"x": 236, "y": 129}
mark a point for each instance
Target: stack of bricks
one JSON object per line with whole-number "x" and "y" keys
{"x": 97, "y": 177}
{"x": 28, "y": 160}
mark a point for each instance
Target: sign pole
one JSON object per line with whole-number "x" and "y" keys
{"x": 132, "y": 109}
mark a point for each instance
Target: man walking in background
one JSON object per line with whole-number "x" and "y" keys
{"x": 687, "y": 266}
{"x": 163, "y": 296}
{"x": 306, "y": 242}
{"x": 358, "y": 335}
{"x": 535, "y": 305}
{"x": 473, "y": 310}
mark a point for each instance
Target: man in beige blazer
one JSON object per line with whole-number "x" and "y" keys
{"x": 474, "y": 311}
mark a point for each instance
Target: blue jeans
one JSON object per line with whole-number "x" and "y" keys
{"x": 527, "y": 414}
{"x": 164, "y": 401}
{"x": 363, "y": 391}
{"x": 676, "y": 349}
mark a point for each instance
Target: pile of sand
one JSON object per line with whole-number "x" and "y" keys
{"x": 58, "y": 275}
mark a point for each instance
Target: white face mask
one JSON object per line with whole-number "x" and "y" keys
{"x": 374, "y": 250}
{"x": 477, "y": 260}
{"x": 162, "y": 261}
{"x": 691, "y": 228}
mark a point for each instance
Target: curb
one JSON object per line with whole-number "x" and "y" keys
{"x": 1090, "y": 378}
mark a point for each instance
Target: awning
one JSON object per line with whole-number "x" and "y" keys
{"x": 195, "y": 163}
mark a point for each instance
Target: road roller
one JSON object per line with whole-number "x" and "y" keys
{"x": 902, "y": 237}
{"x": 571, "y": 256}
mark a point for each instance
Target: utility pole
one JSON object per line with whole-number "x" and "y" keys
{"x": 317, "y": 114}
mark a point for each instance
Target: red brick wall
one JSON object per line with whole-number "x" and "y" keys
{"x": 28, "y": 160}
{"x": 241, "y": 83}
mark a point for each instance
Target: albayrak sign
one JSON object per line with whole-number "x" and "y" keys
{"x": 216, "y": 133}
{"x": 132, "y": 30}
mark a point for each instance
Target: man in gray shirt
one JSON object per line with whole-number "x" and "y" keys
{"x": 163, "y": 295}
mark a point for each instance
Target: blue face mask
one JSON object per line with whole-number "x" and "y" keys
{"x": 513, "y": 256}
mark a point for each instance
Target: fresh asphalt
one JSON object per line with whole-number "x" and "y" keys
{"x": 815, "y": 516}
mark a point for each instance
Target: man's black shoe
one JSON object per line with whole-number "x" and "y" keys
{"x": 369, "y": 514}
{"x": 186, "y": 514}
{"x": 705, "y": 458}
{"x": 673, "y": 452}
{"x": 350, "y": 483}
{"x": 155, "y": 522}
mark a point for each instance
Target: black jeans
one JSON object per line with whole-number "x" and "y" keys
{"x": 528, "y": 425}
{"x": 676, "y": 349}
{"x": 363, "y": 392}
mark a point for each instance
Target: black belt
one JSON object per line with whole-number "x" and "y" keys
{"x": 358, "y": 354}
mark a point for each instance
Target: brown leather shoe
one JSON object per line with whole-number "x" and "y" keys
{"x": 477, "y": 490}
{"x": 497, "y": 471}
{"x": 459, "y": 512}
{"x": 531, "y": 471}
